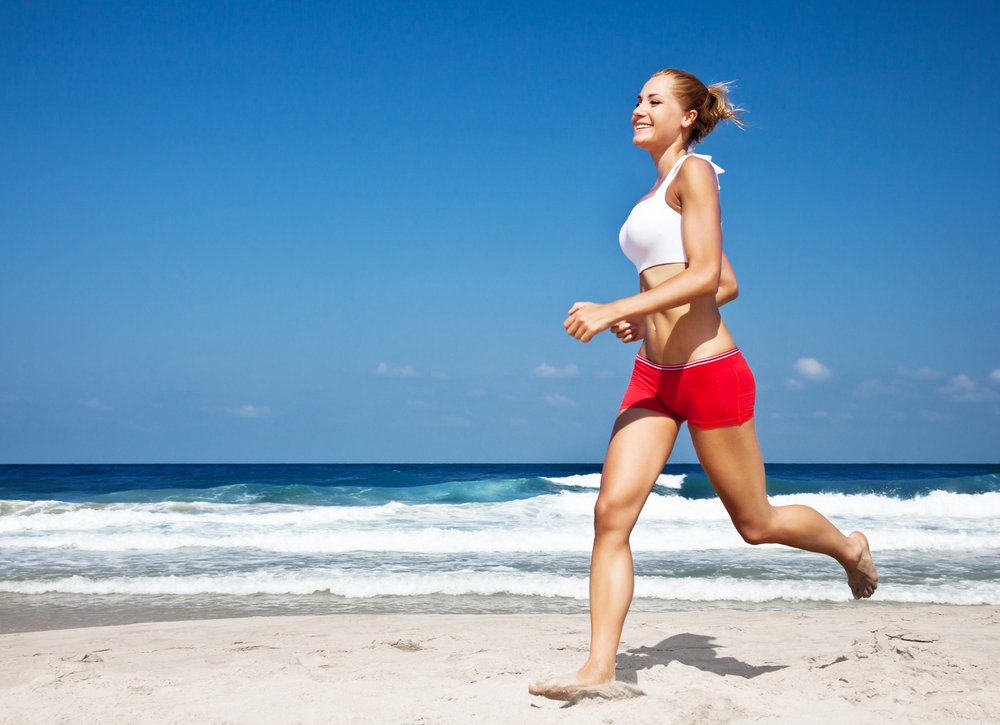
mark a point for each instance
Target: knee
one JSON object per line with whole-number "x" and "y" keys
{"x": 609, "y": 517}
{"x": 757, "y": 529}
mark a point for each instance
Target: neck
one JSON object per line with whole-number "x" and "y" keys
{"x": 665, "y": 158}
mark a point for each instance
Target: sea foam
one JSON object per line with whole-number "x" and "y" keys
{"x": 528, "y": 584}
{"x": 593, "y": 480}
{"x": 549, "y": 523}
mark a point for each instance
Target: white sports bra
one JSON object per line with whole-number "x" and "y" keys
{"x": 652, "y": 233}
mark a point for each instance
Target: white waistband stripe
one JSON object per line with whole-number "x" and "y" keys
{"x": 692, "y": 363}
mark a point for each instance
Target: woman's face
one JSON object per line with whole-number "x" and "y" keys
{"x": 658, "y": 118}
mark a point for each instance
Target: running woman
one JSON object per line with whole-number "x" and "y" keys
{"x": 688, "y": 369}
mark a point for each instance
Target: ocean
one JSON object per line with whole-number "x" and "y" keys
{"x": 100, "y": 544}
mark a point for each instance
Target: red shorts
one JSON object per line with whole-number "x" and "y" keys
{"x": 712, "y": 392}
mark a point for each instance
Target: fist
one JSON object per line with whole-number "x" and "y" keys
{"x": 586, "y": 319}
{"x": 629, "y": 330}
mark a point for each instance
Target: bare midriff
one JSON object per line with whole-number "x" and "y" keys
{"x": 681, "y": 334}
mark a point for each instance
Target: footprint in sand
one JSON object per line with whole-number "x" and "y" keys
{"x": 244, "y": 647}
{"x": 317, "y": 659}
{"x": 407, "y": 645}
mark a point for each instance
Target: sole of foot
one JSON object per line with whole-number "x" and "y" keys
{"x": 568, "y": 690}
{"x": 863, "y": 579}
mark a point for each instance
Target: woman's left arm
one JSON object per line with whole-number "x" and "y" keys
{"x": 701, "y": 230}
{"x": 729, "y": 289}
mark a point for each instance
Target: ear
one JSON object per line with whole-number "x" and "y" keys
{"x": 689, "y": 118}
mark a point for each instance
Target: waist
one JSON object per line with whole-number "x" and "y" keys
{"x": 690, "y": 363}
{"x": 682, "y": 335}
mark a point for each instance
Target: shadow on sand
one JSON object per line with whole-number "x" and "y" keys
{"x": 694, "y": 650}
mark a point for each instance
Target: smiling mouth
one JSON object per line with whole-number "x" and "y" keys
{"x": 642, "y": 126}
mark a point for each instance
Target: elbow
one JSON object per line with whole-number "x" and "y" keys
{"x": 710, "y": 285}
{"x": 729, "y": 292}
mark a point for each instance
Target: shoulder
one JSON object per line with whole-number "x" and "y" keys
{"x": 697, "y": 175}
{"x": 695, "y": 167}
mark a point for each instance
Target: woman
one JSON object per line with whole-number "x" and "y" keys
{"x": 688, "y": 368}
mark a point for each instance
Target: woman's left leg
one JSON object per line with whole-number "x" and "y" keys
{"x": 732, "y": 461}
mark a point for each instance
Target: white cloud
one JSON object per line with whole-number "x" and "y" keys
{"x": 963, "y": 389}
{"x": 439, "y": 376}
{"x": 810, "y": 367}
{"x": 923, "y": 373}
{"x": 406, "y": 371}
{"x": 249, "y": 411}
{"x": 95, "y": 404}
{"x": 994, "y": 377}
{"x": 793, "y": 384}
{"x": 559, "y": 401}
{"x": 547, "y": 371}
{"x": 603, "y": 374}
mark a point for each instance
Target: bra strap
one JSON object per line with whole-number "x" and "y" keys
{"x": 673, "y": 172}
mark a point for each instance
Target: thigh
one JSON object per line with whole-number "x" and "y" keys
{"x": 732, "y": 461}
{"x": 640, "y": 444}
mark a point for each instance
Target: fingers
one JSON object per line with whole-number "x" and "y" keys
{"x": 582, "y": 333}
{"x": 576, "y": 328}
{"x": 625, "y": 330}
{"x": 571, "y": 324}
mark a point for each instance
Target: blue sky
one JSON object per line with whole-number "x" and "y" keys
{"x": 350, "y": 231}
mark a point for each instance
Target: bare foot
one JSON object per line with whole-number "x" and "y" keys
{"x": 862, "y": 576}
{"x": 573, "y": 686}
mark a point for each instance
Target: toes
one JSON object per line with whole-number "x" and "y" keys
{"x": 555, "y": 688}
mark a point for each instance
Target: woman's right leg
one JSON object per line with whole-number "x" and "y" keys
{"x": 641, "y": 442}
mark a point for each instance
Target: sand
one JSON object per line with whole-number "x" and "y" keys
{"x": 859, "y": 663}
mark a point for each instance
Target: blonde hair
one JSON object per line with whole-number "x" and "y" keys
{"x": 711, "y": 102}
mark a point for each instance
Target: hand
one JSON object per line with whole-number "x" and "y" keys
{"x": 586, "y": 319}
{"x": 630, "y": 330}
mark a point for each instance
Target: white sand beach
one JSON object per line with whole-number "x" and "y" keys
{"x": 855, "y": 663}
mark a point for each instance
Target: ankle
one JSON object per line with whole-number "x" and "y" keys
{"x": 598, "y": 670}
{"x": 853, "y": 552}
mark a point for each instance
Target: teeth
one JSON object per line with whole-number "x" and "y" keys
{"x": 642, "y": 125}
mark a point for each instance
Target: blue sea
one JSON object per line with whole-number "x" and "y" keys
{"x": 92, "y": 544}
